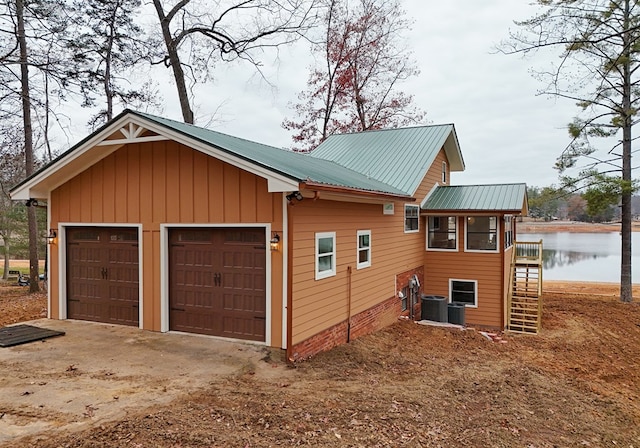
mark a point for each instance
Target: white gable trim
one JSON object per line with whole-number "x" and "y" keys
{"x": 98, "y": 146}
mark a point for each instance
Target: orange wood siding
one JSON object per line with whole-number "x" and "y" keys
{"x": 165, "y": 182}
{"x": 486, "y": 268}
{"x": 319, "y": 304}
{"x": 433, "y": 177}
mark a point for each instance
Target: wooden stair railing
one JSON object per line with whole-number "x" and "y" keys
{"x": 524, "y": 301}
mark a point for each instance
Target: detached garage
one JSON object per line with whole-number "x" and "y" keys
{"x": 170, "y": 227}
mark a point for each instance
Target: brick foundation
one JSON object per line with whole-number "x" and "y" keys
{"x": 366, "y": 322}
{"x": 402, "y": 280}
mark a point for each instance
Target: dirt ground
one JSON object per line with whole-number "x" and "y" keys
{"x": 575, "y": 384}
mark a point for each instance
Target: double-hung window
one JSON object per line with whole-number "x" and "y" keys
{"x": 364, "y": 249}
{"x": 442, "y": 232}
{"x": 482, "y": 233}
{"x": 411, "y": 218}
{"x": 325, "y": 255}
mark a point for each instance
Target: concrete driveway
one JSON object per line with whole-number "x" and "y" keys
{"x": 98, "y": 372}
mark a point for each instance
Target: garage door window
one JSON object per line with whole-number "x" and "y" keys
{"x": 325, "y": 255}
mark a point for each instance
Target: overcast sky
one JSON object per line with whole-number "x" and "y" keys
{"x": 506, "y": 132}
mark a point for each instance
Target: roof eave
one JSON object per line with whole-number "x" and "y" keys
{"x": 310, "y": 185}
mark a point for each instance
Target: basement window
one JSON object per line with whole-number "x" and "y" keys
{"x": 464, "y": 291}
{"x": 325, "y": 255}
{"x": 442, "y": 233}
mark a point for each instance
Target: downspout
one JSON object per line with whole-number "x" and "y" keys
{"x": 348, "y": 303}
{"x": 290, "y": 233}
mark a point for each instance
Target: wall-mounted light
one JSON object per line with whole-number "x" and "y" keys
{"x": 296, "y": 194}
{"x": 51, "y": 238}
{"x": 31, "y": 203}
{"x": 275, "y": 241}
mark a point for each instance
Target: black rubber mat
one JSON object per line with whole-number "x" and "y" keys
{"x": 21, "y": 334}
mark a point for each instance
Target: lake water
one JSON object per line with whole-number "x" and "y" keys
{"x": 593, "y": 257}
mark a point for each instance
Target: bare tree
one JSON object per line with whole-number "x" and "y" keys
{"x": 198, "y": 34}
{"x": 364, "y": 59}
{"x": 599, "y": 46}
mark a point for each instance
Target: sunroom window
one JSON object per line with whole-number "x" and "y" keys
{"x": 482, "y": 233}
{"x": 508, "y": 231}
{"x": 442, "y": 232}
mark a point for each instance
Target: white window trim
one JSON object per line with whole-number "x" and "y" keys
{"x": 483, "y": 251}
{"x": 330, "y": 273}
{"x": 366, "y": 264}
{"x": 508, "y": 228}
{"x": 475, "y": 286}
{"x": 404, "y": 222}
{"x": 437, "y": 249}
{"x": 444, "y": 173}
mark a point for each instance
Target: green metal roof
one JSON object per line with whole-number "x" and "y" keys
{"x": 297, "y": 166}
{"x": 498, "y": 197}
{"x": 397, "y": 157}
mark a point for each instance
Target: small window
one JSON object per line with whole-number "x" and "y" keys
{"x": 508, "y": 231}
{"x": 482, "y": 233}
{"x": 464, "y": 291}
{"x": 325, "y": 255}
{"x": 411, "y": 218}
{"x": 364, "y": 249}
{"x": 444, "y": 172}
{"x": 404, "y": 299}
{"x": 442, "y": 232}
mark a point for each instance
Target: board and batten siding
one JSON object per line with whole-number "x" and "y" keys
{"x": 166, "y": 182}
{"x": 320, "y": 304}
{"x": 486, "y": 268}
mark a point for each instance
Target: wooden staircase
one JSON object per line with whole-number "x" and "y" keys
{"x": 524, "y": 302}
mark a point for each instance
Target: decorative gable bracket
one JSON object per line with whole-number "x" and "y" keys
{"x": 132, "y": 133}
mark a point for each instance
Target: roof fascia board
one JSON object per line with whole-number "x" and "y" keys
{"x": 24, "y": 191}
{"x": 353, "y": 191}
{"x": 38, "y": 187}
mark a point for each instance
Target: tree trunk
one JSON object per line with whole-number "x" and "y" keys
{"x": 28, "y": 145}
{"x": 626, "y": 294}
{"x": 173, "y": 60}
{"x": 5, "y": 271}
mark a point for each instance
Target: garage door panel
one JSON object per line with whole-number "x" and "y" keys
{"x": 223, "y": 263}
{"x": 102, "y": 275}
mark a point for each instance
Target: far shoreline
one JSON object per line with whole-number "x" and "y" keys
{"x": 570, "y": 226}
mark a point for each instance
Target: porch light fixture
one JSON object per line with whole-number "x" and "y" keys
{"x": 275, "y": 241}
{"x": 51, "y": 238}
{"x": 296, "y": 194}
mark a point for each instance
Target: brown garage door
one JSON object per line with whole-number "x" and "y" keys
{"x": 217, "y": 282}
{"x": 102, "y": 274}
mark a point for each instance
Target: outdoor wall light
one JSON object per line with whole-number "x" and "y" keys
{"x": 296, "y": 194}
{"x": 51, "y": 238}
{"x": 275, "y": 241}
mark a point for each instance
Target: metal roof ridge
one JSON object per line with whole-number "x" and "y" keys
{"x": 368, "y": 131}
